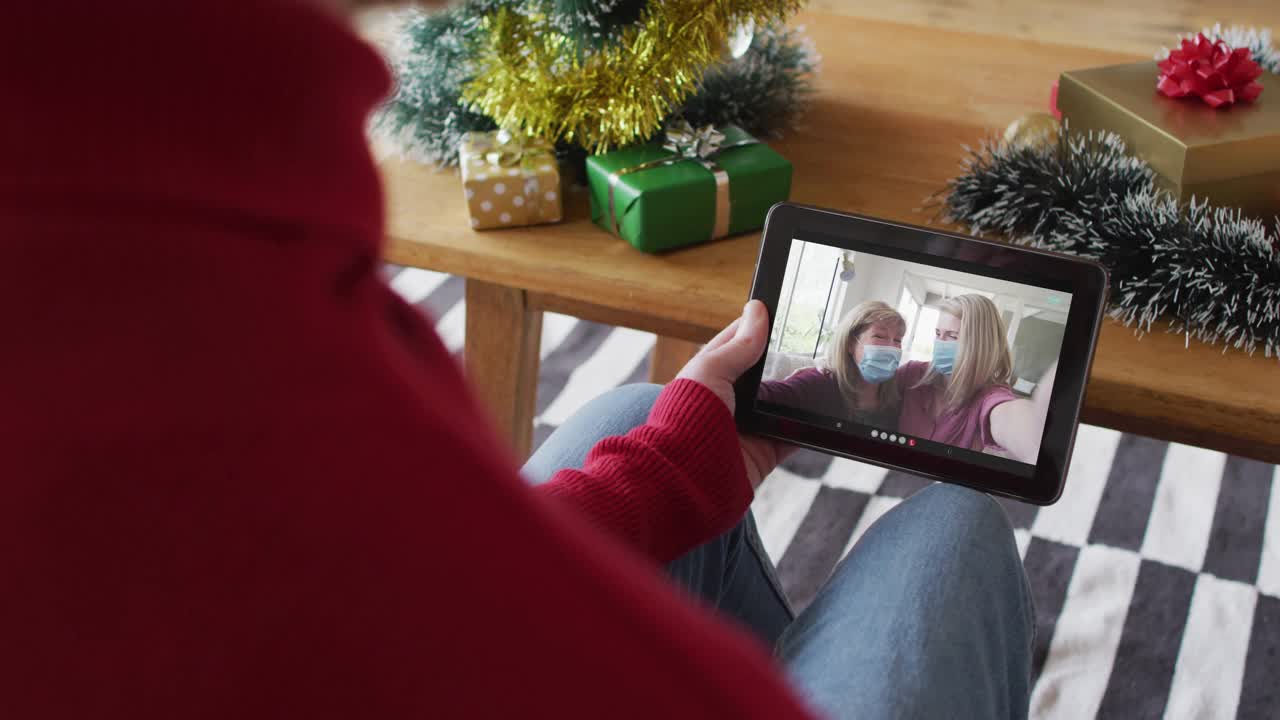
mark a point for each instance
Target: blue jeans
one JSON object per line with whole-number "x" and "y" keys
{"x": 929, "y": 616}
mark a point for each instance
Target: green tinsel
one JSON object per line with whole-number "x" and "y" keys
{"x": 764, "y": 90}
{"x": 591, "y": 23}
{"x": 425, "y": 118}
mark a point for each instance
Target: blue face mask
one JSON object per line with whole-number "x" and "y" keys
{"x": 879, "y": 363}
{"x": 944, "y": 355}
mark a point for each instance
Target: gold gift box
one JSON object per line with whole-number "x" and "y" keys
{"x": 1230, "y": 156}
{"x": 509, "y": 181}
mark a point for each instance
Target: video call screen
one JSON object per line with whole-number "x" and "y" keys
{"x": 946, "y": 362}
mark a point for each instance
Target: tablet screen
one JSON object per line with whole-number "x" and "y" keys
{"x": 914, "y": 354}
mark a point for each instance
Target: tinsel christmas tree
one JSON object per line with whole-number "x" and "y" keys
{"x": 590, "y": 74}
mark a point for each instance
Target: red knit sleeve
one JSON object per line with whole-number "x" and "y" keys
{"x": 669, "y": 485}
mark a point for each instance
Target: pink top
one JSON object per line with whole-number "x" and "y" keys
{"x": 968, "y": 427}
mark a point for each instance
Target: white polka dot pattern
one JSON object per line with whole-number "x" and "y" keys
{"x": 499, "y": 196}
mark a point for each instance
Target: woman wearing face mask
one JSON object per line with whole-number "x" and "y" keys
{"x": 856, "y": 380}
{"x": 963, "y": 397}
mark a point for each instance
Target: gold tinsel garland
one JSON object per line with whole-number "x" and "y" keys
{"x": 537, "y": 81}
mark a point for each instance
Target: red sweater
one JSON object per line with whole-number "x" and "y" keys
{"x": 240, "y": 477}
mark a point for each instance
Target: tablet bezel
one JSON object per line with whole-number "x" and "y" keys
{"x": 1085, "y": 280}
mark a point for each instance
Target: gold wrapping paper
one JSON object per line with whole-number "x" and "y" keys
{"x": 1230, "y": 156}
{"x": 509, "y": 181}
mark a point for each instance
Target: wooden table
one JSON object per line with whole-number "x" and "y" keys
{"x": 895, "y": 104}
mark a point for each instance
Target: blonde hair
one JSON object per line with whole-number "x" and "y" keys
{"x": 838, "y": 360}
{"x": 983, "y": 358}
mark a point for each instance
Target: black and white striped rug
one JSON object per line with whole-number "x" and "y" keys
{"x": 1156, "y": 577}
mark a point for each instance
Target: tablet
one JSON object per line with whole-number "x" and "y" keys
{"x": 951, "y": 357}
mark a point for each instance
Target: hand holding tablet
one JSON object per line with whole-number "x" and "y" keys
{"x": 914, "y": 349}
{"x": 724, "y": 359}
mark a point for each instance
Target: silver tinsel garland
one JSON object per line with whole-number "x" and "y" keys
{"x": 1211, "y": 273}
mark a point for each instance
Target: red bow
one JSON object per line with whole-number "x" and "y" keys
{"x": 1211, "y": 71}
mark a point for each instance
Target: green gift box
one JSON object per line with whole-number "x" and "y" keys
{"x": 692, "y": 186}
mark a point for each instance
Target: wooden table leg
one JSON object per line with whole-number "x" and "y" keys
{"x": 669, "y": 355}
{"x": 501, "y": 356}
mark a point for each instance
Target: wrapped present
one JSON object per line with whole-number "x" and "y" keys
{"x": 509, "y": 180}
{"x": 694, "y": 185}
{"x": 1219, "y": 144}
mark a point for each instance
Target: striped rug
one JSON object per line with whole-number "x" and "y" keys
{"x": 1156, "y": 578}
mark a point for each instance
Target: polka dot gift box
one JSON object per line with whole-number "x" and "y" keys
{"x": 509, "y": 180}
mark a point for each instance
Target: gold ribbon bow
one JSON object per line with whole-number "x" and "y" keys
{"x": 504, "y": 153}
{"x": 700, "y": 145}
{"x": 506, "y": 149}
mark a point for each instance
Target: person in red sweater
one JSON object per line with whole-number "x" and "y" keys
{"x": 243, "y": 479}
